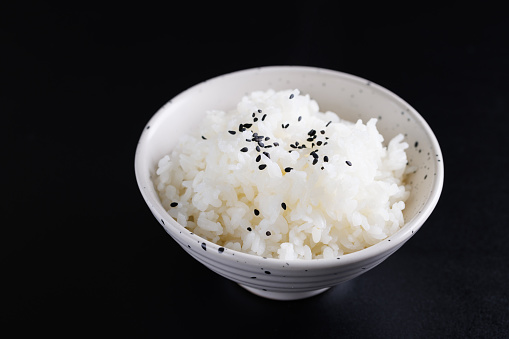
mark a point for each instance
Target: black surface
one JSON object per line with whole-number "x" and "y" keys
{"x": 82, "y": 254}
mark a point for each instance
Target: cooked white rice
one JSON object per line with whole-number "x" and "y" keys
{"x": 277, "y": 178}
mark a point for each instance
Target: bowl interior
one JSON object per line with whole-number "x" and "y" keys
{"x": 351, "y": 97}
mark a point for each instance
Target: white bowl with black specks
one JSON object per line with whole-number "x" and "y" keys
{"x": 351, "y": 97}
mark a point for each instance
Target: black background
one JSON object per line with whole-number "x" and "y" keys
{"x": 81, "y": 252}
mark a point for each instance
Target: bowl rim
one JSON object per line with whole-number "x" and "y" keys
{"x": 393, "y": 242}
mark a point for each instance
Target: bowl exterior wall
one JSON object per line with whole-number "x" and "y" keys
{"x": 276, "y": 275}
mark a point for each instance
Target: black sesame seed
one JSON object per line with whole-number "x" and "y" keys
{"x": 282, "y": 125}
{"x": 309, "y": 139}
{"x": 255, "y": 119}
{"x": 204, "y": 246}
{"x": 259, "y": 111}
{"x": 267, "y": 139}
{"x": 286, "y": 126}
{"x": 328, "y": 123}
{"x": 326, "y": 158}
{"x": 232, "y": 132}
{"x": 268, "y": 233}
{"x": 322, "y": 131}
{"x": 314, "y": 154}
{"x": 241, "y": 128}
{"x": 315, "y": 160}
{"x": 291, "y": 96}
{"x": 264, "y": 116}
{"x": 296, "y": 143}
{"x": 247, "y": 125}
{"x": 249, "y": 229}
{"x": 244, "y": 149}
{"x": 319, "y": 143}
{"x": 268, "y": 146}
{"x": 267, "y": 154}
{"x": 288, "y": 169}
{"x": 248, "y": 140}
{"x": 256, "y": 212}
{"x": 258, "y": 148}
{"x": 293, "y": 146}
{"x": 416, "y": 144}
{"x": 262, "y": 167}
{"x": 348, "y": 163}
{"x": 258, "y": 158}
{"x": 203, "y": 137}
{"x": 220, "y": 250}
{"x": 276, "y": 143}
{"x": 300, "y": 118}
{"x": 312, "y": 132}
{"x": 253, "y": 115}
{"x": 261, "y": 144}
{"x": 174, "y": 204}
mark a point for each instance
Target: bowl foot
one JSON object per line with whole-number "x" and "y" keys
{"x": 284, "y": 295}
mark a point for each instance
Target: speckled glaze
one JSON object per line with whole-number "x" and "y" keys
{"x": 349, "y": 96}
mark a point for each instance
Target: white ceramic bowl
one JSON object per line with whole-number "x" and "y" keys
{"x": 351, "y": 97}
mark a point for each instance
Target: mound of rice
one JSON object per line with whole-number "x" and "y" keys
{"x": 278, "y": 178}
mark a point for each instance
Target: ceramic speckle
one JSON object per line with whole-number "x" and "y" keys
{"x": 352, "y": 98}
